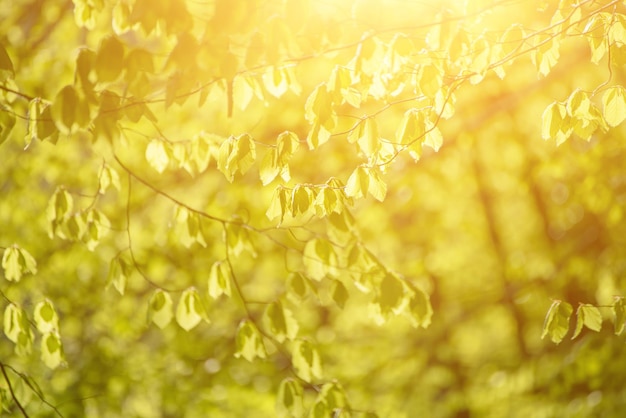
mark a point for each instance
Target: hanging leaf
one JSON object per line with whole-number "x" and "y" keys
{"x": 6, "y": 66}
{"x": 289, "y": 399}
{"x": 51, "y": 350}
{"x": 557, "y": 319}
{"x": 160, "y": 309}
{"x": 7, "y": 122}
{"x": 614, "y": 102}
{"x": 190, "y": 311}
{"x": 279, "y": 321}
{"x": 16, "y": 262}
{"x": 109, "y": 61}
{"x": 46, "y": 317}
{"x": 219, "y": 280}
{"x": 249, "y": 341}
{"x": 589, "y": 316}
{"x": 157, "y": 155}
{"x": 339, "y": 293}
{"x": 306, "y": 361}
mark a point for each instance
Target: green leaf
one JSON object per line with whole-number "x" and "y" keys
{"x": 219, "y": 280}
{"x": 7, "y": 122}
{"x": 556, "y": 123}
{"x": 236, "y": 154}
{"x": 557, "y": 319}
{"x": 119, "y": 272}
{"x": 157, "y": 155}
{"x": 421, "y": 310}
{"x": 298, "y": 287}
{"x": 190, "y": 311}
{"x": 14, "y": 320}
{"x": 51, "y": 350}
{"x": 280, "y": 322}
{"x": 109, "y": 61}
{"x": 589, "y": 316}
{"x": 358, "y": 183}
{"x": 306, "y": 361}
{"x": 376, "y": 186}
{"x": 319, "y": 259}
{"x": 365, "y": 134}
{"x": 6, "y": 66}
{"x": 16, "y": 262}
{"x": 69, "y": 111}
{"x": 46, "y": 317}
{"x": 614, "y": 103}
{"x": 281, "y": 201}
{"x": 333, "y": 395}
{"x": 249, "y": 341}
{"x": 160, "y": 309}
{"x": 108, "y": 178}
{"x": 619, "y": 310}
{"x": 289, "y": 399}
{"x": 339, "y": 293}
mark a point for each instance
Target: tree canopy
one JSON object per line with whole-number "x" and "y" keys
{"x": 308, "y": 208}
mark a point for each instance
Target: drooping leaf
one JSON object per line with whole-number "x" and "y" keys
{"x": 306, "y": 361}
{"x": 219, "y": 280}
{"x": 109, "y": 61}
{"x": 280, "y": 322}
{"x": 249, "y": 341}
{"x": 51, "y": 350}
{"x": 614, "y": 102}
{"x": 289, "y": 399}
{"x": 189, "y": 311}
{"x": 589, "y": 316}
{"x": 157, "y": 155}
{"x": 160, "y": 310}
{"x": 6, "y": 66}
{"x": 16, "y": 262}
{"x": 46, "y": 317}
{"x": 557, "y": 319}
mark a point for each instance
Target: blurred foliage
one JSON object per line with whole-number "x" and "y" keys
{"x": 307, "y": 208}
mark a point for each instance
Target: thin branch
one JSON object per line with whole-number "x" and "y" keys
{"x": 17, "y": 402}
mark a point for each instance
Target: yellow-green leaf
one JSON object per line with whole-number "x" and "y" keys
{"x": 306, "y": 361}
{"x": 557, "y": 320}
{"x": 51, "y": 350}
{"x": 614, "y": 102}
{"x": 249, "y": 341}
{"x": 289, "y": 399}
{"x": 589, "y": 316}
{"x": 279, "y": 322}
{"x": 219, "y": 280}
{"x": 157, "y": 156}
{"x": 160, "y": 309}
{"x": 109, "y": 61}
{"x": 46, "y": 317}
{"x": 189, "y": 311}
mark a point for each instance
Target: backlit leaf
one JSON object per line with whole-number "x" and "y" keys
{"x": 289, "y": 399}
{"x": 249, "y": 341}
{"x": 280, "y": 322}
{"x": 157, "y": 156}
{"x": 589, "y": 316}
{"x": 6, "y": 66}
{"x": 306, "y": 361}
{"x": 51, "y": 350}
{"x": 160, "y": 310}
{"x": 614, "y": 103}
{"x": 46, "y": 317}
{"x": 219, "y": 280}
{"x": 189, "y": 311}
{"x": 557, "y": 319}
